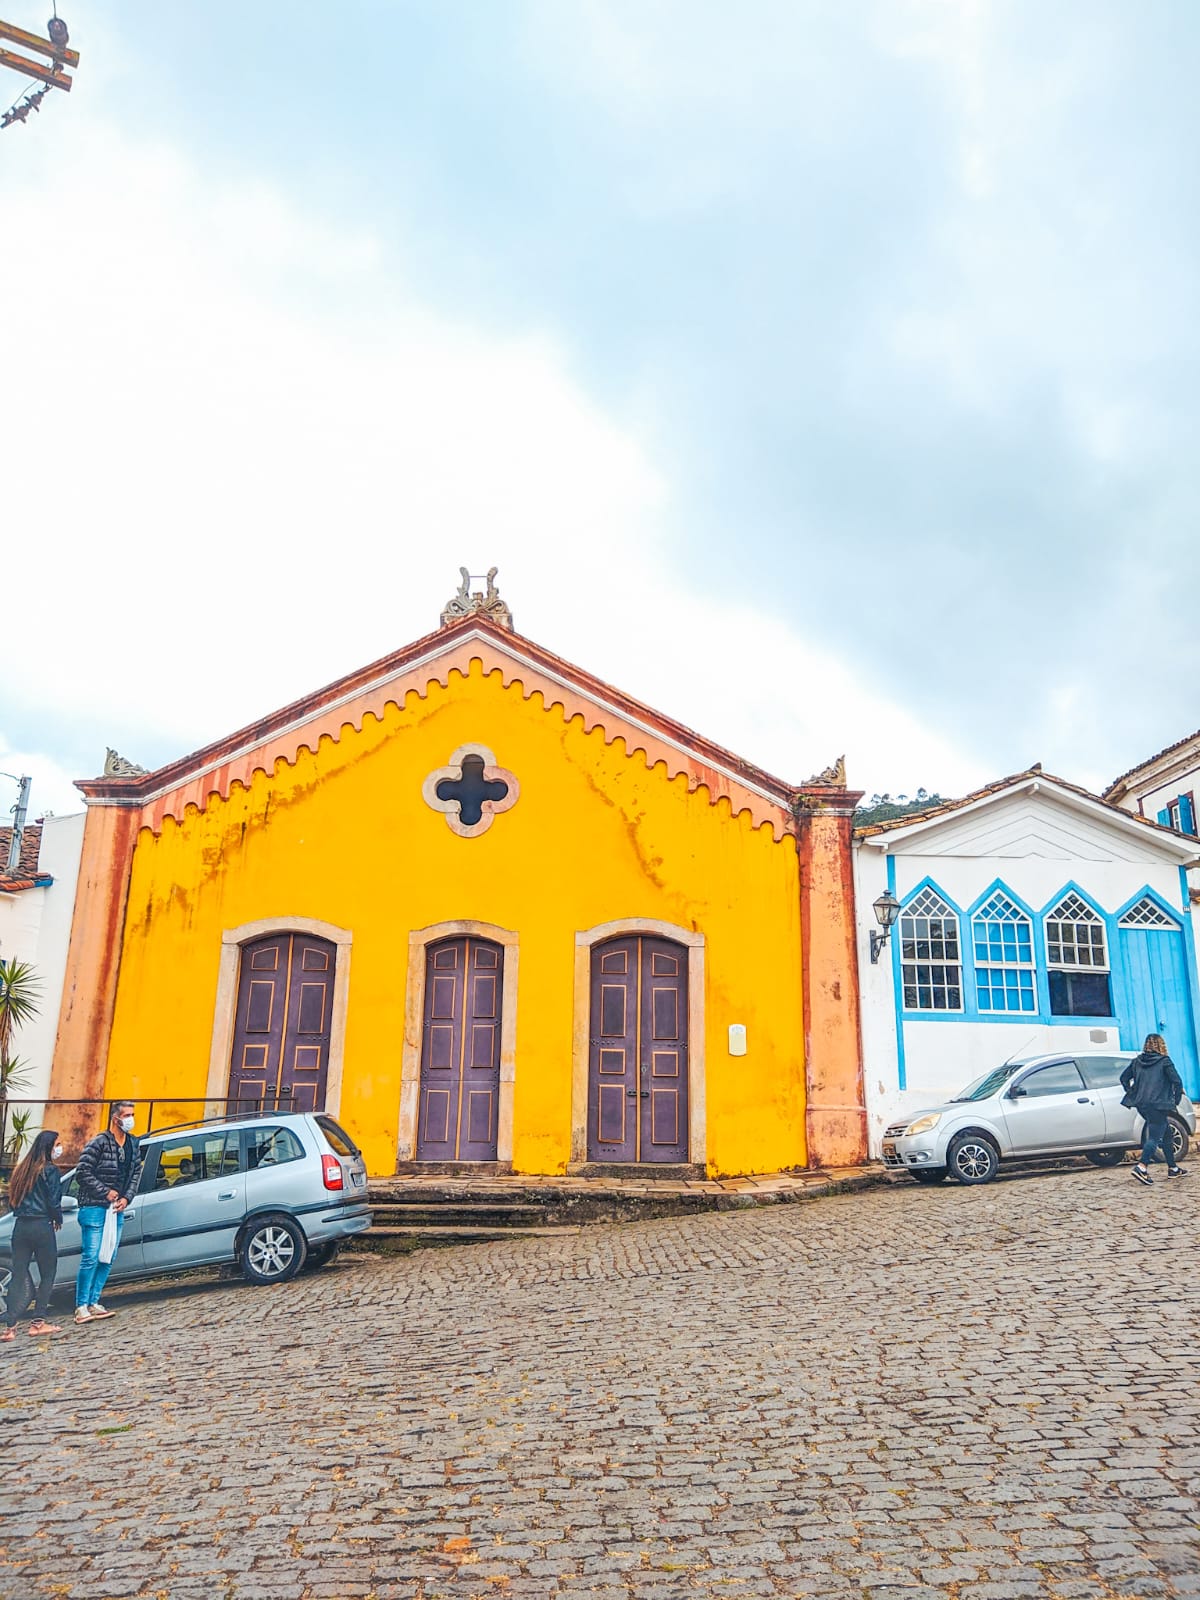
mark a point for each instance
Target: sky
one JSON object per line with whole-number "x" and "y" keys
{"x": 822, "y": 373}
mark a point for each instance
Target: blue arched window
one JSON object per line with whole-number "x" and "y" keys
{"x": 1003, "y": 943}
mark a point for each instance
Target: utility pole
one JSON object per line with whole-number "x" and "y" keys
{"x": 19, "y": 812}
{"x": 52, "y": 76}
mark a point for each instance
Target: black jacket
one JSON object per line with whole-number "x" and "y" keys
{"x": 1151, "y": 1083}
{"x": 43, "y": 1203}
{"x": 102, "y": 1167}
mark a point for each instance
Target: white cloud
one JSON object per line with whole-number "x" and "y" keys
{"x": 249, "y": 460}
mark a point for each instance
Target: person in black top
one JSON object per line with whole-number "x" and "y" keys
{"x": 106, "y": 1176}
{"x": 1154, "y": 1088}
{"x": 35, "y": 1194}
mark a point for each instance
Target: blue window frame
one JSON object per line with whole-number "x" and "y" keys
{"x": 1002, "y": 936}
{"x": 930, "y": 963}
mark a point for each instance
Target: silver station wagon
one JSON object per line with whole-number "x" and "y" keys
{"x": 270, "y": 1194}
{"x": 1043, "y": 1106}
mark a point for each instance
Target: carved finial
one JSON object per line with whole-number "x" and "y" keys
{"x": 478, "y": 603}
{"x": 116, "y": 766}
{"x": 833, "y": 777}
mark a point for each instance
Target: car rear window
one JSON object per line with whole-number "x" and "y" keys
{"x": 339, "y": 1140}
{"x": 1101, "y": 1072}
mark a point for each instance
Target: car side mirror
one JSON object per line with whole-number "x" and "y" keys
{"x": 1017, "y": 1093}
{"x": 69, "y": 1203}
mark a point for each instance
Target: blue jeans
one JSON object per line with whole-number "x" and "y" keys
{"x": 1157, "y": 1133}
{"x": 93, "y": 1273}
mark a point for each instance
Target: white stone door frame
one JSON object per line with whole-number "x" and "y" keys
{"x": 414, "y": 1018}
{"x": 225, "y": 1007}
{"x": 649, "y": 927}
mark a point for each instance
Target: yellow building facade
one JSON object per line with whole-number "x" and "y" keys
{"x": 488, "y": 912}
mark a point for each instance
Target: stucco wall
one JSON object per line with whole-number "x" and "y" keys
{"x": 35, "y": 926}
{"x": 343, "y": 836}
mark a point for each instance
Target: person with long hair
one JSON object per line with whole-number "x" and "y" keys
{"x": 1154, "y": 1088}
{"x": 35, "y": 1195}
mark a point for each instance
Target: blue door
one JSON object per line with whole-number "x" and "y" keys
{"x": 1156, "y": 995}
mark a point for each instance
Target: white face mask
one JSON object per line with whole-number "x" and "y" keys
{"x": 126, "y": 1123}
{"x": 56, "y": 1152}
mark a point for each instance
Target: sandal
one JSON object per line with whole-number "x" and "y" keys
{"x": 39, "y": 1327}
{"x": 8, "y": 1336}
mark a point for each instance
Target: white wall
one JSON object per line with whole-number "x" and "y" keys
{"x": 1035, "y": 847}
{"x": 35, "y": 926}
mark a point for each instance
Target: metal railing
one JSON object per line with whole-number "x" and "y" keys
{"x": 80, "y": 1120}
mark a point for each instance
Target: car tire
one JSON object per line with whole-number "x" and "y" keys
{"x": 272, "y": 1250}
{"x": 1105, "y": 1158}
{"x": 1179, "y": 1139}
{"x": 973, "y": 1159}
{"x": 928, "y": 1174}
{"x": 320, "y": 1255}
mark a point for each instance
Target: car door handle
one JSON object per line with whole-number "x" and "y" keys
{"x": 229, "y": 1194}
{"x": 1083, "y": 1100}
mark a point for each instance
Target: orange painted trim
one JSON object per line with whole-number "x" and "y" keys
{"x": 93, "y": 957}
{"x": 214, "y": 771}
{"x": 835, "y": 1109}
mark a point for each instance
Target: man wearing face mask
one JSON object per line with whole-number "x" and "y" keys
{"x": 107, "y": 1176}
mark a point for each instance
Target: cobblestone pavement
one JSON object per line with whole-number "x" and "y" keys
{"x": 984, "y": 1394}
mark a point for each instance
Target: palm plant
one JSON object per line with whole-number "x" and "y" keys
{"x": 20, "y": 1002}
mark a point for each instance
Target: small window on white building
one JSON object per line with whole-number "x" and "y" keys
{"x": 1077, "y": 956}
{"x": 1147, "y": 913}
{"x": 930, "y": 958}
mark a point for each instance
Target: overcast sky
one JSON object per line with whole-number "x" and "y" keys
{"x": 825, "y": 374}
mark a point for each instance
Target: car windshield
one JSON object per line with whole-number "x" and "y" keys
{"x": 983, "y": 1088}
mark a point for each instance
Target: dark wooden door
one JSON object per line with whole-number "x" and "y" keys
{"x": 284, "y": 1010}
{"x": 638, "y": 1068}
{"x": 460, "y": 1052}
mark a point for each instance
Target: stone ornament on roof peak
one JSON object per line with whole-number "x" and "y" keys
{"x": 479, "y": 602}
{"x": 116, "y": 766}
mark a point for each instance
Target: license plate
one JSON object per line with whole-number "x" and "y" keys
{"x": 889, "y": 1149}
{"x": 358, "y": 1179}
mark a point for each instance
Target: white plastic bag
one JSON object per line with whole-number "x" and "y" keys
{"x": 108, "y": 1239}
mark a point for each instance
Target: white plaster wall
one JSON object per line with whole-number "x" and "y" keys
{"x": 35, "y": 926}
{"x": 1165, "y": 791}
{"x": 942, "y": 1057}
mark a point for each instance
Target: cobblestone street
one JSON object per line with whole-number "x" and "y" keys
{"x": 983, "y": 1393}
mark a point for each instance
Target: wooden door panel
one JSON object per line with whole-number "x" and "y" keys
{"x": 282, "y": 1027}
{"x": 460, "y": 1054}
{"x": 613, "y": 1087}
{"x": 664, "y": 1069}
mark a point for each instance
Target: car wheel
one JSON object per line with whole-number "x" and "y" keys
{"x": 273, "y": 1250}
{"x": 973, "y": 1159}
{"x": 1179, "y": 1140}
{"x": 928, "y": 1174}
{"x": 320, "y": 1255}
{"x": 1105, "y": 1158}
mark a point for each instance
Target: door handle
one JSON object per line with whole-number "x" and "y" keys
{"x": 631, "y": 1094}
{"x": 1083, "y": 1100}
{"x": 229, "y": 1194}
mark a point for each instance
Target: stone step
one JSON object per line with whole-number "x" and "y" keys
{"x": 421, "y": 1236}
{"x": 456, "y": 1213}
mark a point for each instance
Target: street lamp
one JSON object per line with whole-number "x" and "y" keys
{"x": 887, "y": 909}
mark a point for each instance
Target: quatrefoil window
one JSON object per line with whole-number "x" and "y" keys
{"x": 470, "y": 790}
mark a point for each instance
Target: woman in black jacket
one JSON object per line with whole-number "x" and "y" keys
{"x": 35, "y": 1194}
{"x": 1153, "y": 1088}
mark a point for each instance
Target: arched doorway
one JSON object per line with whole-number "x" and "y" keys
{"x": 458, "y": 1111}
{"x": 638, "y": 1052}
{"x": 283, "y": 1020}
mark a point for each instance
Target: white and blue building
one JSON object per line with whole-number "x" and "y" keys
{"x": 1034, "y": 917}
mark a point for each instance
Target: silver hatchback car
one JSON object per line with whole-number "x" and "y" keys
{"x": 269, "y": 1194}
{"x": 1043, "y": 1106}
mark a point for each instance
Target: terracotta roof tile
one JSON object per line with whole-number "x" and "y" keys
{"x": 31, "y": 845}
{"x": 1150, "y": 760}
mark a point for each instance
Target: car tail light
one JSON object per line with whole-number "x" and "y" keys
{"x": 331, "y": 1171}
